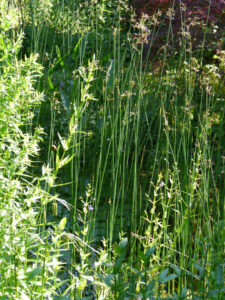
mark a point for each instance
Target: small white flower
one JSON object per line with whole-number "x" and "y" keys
{"x": 161, "y": 184}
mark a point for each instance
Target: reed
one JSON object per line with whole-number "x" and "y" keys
{"x": 129, "y": 200}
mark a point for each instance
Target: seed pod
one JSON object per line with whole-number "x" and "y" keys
{"x": 54, "y": 148}
{"x": 54, "y": 209}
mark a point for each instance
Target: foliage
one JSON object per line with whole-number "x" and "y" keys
{"x": 27, "y": 268}
{"x": 123, "y": 197}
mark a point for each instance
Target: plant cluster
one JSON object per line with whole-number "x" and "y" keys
{"x": 203, "y": 8}
{"x": 187, "y": 18}
{"x": 121, "y": 195}
{"x": 200, "y": 7}
{"x": 29, "y": 261}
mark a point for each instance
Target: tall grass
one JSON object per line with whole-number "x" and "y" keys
{"x": 134, "y": 146}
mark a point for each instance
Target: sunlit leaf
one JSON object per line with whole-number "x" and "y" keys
{"x": 62, "y": 223}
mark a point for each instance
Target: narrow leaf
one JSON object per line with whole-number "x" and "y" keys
{"x": 65, "y": 161}
{"x": 59, "y": 56}
{"x": 76, "y": 49}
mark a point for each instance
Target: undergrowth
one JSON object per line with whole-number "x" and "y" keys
{"x": 112, "y": 154}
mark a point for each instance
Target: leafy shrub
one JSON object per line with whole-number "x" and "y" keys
{"x": 28, "y": 261}
{"x": 149, "y": 159}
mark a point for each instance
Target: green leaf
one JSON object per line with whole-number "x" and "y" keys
{"x": 74, "y": 122}
{"x": 150, "y": 251}
{"x": 65, "y": 161}
{"x": 59, "y": 56}
{"x": 30, "y": 275}
{"x": 170, "y": 277}
{"x": 50, "y": 83}
{"x": 163, "y": 278}
{"x": 163, "y": 275}
{"x": 108, "y": 280}
{"x": 177, "y": 270}
{"x": 76, "y": 49}
{"x": 63, "y": 143}
{"x": 123, "y": 243}
{"x": 62, "y": 223}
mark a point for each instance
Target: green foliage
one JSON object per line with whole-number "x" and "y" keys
{"x": 122, "y": 196}
{"x": 27, "y": 269}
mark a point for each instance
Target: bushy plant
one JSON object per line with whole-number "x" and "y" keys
{"x": 137, "y": 150}
{"x": 29, "y": 261}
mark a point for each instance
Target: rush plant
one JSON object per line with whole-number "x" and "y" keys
{"x": 126, "y": 198}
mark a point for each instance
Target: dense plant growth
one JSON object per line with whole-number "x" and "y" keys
{"x": 111, "y": 150}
